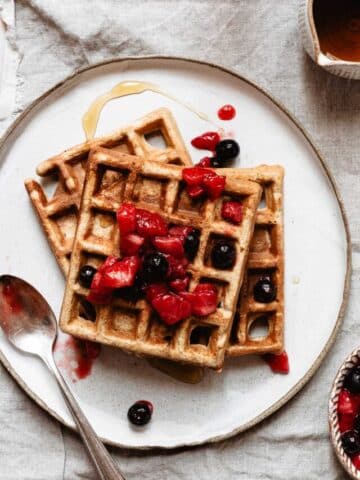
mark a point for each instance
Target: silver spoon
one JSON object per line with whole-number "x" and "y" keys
{"x": 30, "y": 325}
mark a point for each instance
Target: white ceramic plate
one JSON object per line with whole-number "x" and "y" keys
{"x": 316, "y": 248}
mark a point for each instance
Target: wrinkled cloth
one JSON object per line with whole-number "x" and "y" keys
{"x": 257, "y": 38}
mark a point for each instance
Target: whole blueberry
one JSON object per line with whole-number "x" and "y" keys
{"x": 140, "y": 413}
{"x": 226, "y": 150}
{"x": 191, "y": 244}
{"x": 350, "y": 442}
{"x": 352, "y": 380}
{"x": 155, "y": 267}
{"x": 86, "y": 275}
{"x": 264, "y": 290}
{"x": 223, "y": 255}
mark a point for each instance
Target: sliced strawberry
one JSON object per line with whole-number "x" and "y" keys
{"x": 180, "y": 284}
{"x": 194, "y": 176}
{"x": 205, "y": 288}
{"x": 99, "y": 298}
{"x": 277, "y": 363}
{"x": 346, "y": 422}
{"x": 346, "y": 403}
{"x": 171, "y": 307}
{"x": 214, "y": 184}
{"x": 195, "y": 191}
{"x": 198, "y": 178}
{"x": 149, "y": 224}
{"x": 204, "y": 162}
{"x": 121, "y": 274}
{"x": 180, "y": 231}
{"x": 154, "y": 290}
{"x": 356, "y": 460}
{"x": 109, "y": 262}
{"x": 169, "y": 244}
{"x": 99, "y": 294}
{"x": 205, "y": 299}
{"x": 189, "y": 296}
{"x": 130, "y": 244}
{"x": 177, "y": 267}
{"x": 232, "y": 212}
{"x": 206, "y": 141}
{"x": 126, "y": 217}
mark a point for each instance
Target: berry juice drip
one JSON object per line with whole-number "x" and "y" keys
{"x": 226, "y": 112}
{"x": 76, "y": 357}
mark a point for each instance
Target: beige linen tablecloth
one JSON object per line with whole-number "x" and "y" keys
{"x": 258, "y": 38}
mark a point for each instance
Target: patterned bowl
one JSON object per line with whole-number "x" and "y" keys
{"x": 351, "y": 361}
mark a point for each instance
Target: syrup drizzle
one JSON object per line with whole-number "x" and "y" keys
{"x": 123, "y": 89}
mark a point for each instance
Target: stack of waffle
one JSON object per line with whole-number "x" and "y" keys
{"x": 92, "y": 181}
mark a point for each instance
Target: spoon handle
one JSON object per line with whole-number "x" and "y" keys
{"x": 100, "y": 456}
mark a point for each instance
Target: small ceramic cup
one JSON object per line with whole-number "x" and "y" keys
{"x": 311, "y": 43}
{"x": 351, "y": 361}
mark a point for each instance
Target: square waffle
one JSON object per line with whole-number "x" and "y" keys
{"x": 266, "y": 258}
{"x": 58, "y": 215}
{"x": 134, "y": 327}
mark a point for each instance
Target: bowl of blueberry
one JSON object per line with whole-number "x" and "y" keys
{"x": 344, "y": 414}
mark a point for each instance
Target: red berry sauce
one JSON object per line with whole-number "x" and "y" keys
{"x": 76, "y": 357}
{"x": 11, "y": 299}
{"x": 277, "y": 363}
{"x": 226, "y": 112}
{"x": 206, "y": 141}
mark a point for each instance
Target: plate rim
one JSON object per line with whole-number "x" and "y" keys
{"x": 347, "y": 280}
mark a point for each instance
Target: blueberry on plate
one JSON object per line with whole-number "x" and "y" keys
{"x": 86, "y": 275}
{"x": 226, "y": 150}
{"x": 350, "y": 442}
{"x": 352, "y": 380}
{"x": 140, "y": 413}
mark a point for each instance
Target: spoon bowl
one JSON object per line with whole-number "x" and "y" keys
{"x": 25, "y": 317}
